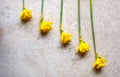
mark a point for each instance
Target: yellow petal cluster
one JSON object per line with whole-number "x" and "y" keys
{"x": 26, "y": 15}
{"x": 45, "y": 26}
{"x": 99, "y": 63}
{"x": 83, "y": 47}
{"x": 65, "y": 37}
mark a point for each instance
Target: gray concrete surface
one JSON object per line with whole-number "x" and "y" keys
{"x": 25, "y": 53}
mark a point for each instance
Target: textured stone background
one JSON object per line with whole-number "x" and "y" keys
{"x": 25, "y": 53}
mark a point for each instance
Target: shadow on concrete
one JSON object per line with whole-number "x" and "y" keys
{"x": 81, "y": 55}
{"x": 1, "y": 33}
{"x": 96, "y": 71}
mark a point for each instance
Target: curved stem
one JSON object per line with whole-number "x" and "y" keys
{"x": 79, "y": 22}
{"x": 61, "y": 14}
{"x": 92, "y": 25}
{"x": 23, "y": 5}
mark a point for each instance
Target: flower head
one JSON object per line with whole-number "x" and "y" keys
{"x": 45, "y": 26}
{"x": 83, "y": 47}
{"x": 65, "y": 37}
{"x": 26, "y": 15}
{"x": 99, "y": 63}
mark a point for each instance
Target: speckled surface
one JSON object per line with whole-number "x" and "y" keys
{"x": 25, "y": 53}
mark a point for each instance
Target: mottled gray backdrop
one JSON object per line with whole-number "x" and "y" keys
{"x": 25, "y": 53}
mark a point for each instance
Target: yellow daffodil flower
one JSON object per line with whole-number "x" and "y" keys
{"x": 65, "y": 37}
{"x": 26, "y": 15}
{"x": 83, "y": 47}
{"x": 45, "y": 26}
{"x": 99, "y": 63}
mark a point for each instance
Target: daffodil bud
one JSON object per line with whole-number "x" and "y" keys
{"x": 99, "y": 63}
{"x": 83, "y": 47}
{"x": 45, "y": 26}
{"x": 65, "y": 37}
{"x": 26, "y": 15}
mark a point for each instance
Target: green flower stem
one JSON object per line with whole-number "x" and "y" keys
{"x": 79, "y": 22}
{"x": 42, "y": 10}
{"x": 61, "y": 14}
{"x": 42, "y": 6}
{"x": 92, "y": 25}
{"x": 23, "y": 5}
